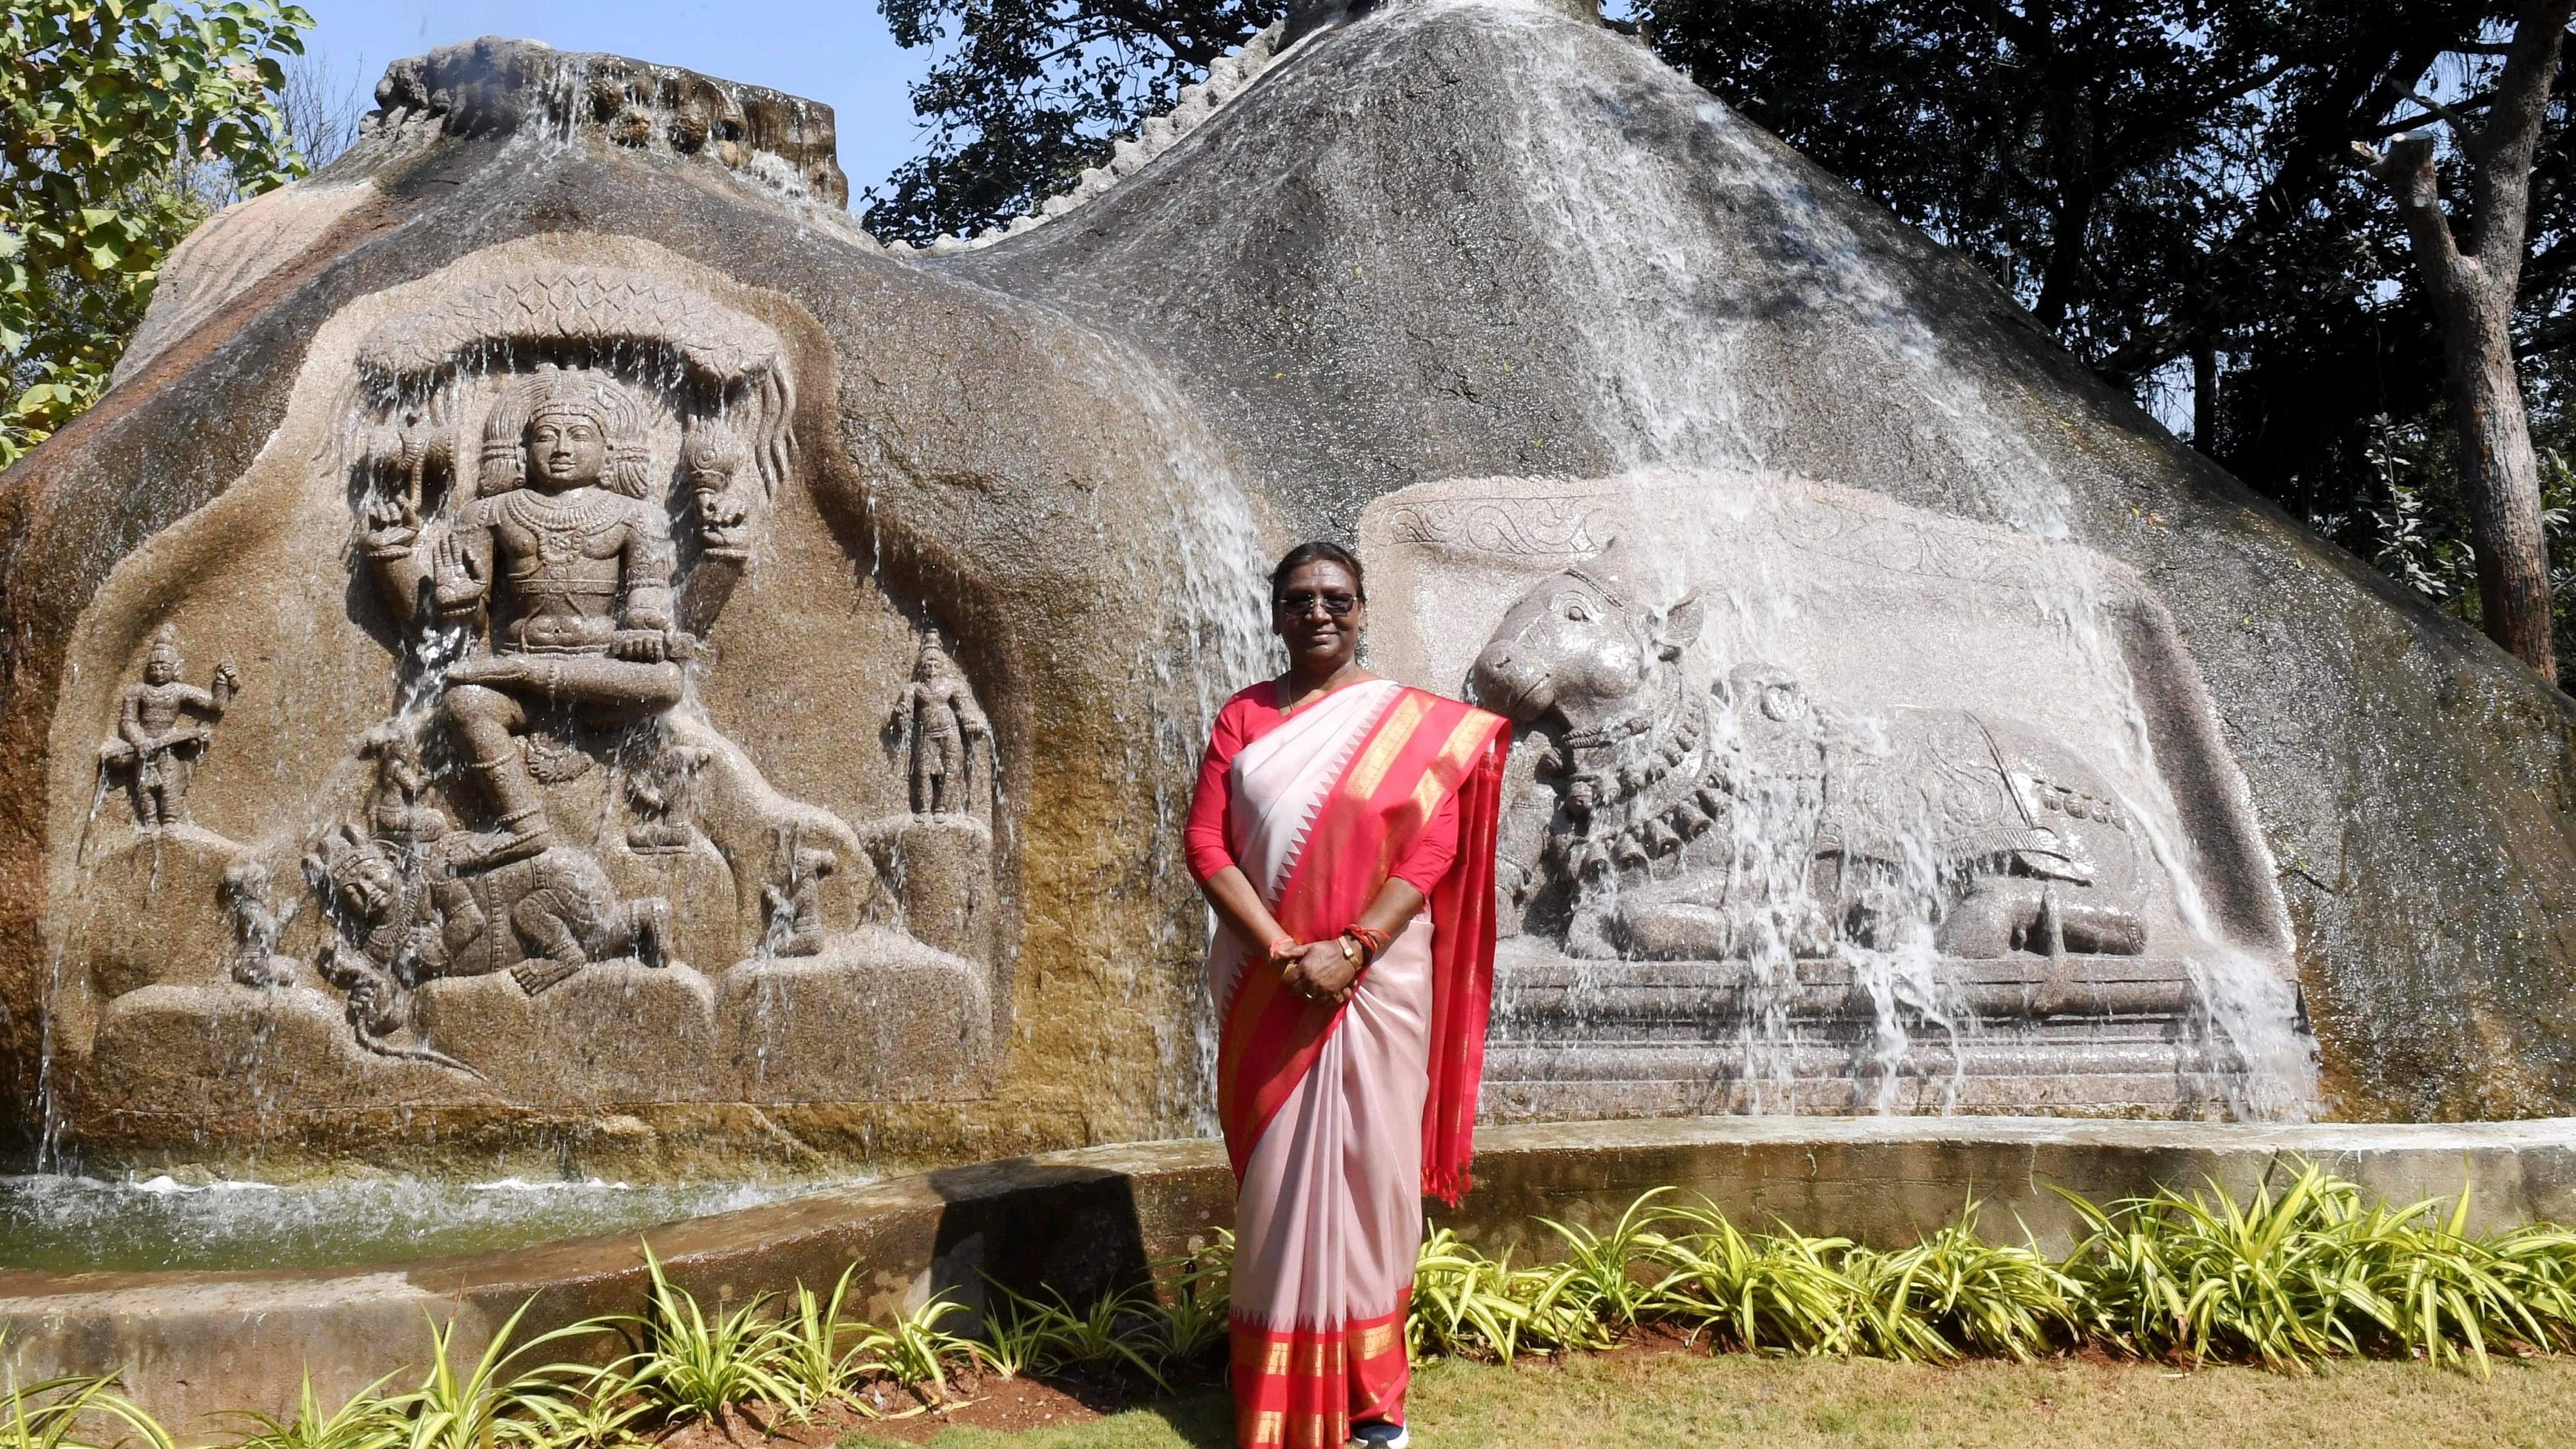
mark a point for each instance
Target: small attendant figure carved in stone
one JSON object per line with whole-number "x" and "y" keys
{"x": 947, "y": 725}
{"x": 664, "y": 795}
{"x": 793, "y": 897}
{"x": 570, "y": 567}
{"x": 256, "y": 927}
{"x": 157, "y": 740}
{"x": 395, "y": 811}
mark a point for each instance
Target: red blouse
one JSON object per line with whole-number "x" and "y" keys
{"x": 1248, "y": 716}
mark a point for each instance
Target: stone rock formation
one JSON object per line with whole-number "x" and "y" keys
{"x": 714, "y": 689}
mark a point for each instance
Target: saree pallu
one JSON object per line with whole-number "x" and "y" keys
{"x": 1338, "y": 1118}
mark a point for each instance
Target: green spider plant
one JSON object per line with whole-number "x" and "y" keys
{"x": 694, "y": 1367}
{"x": 1194, "y": 1324}
{"x": 1109, "y": 1333}
{"x": 49, "y": 1414}
{"x": 813, "y": 1360}
{"x": 1779, "y": 1291}
{"x": 915, "y": 1351}
{"x": 1463, "y": 1302}
{"x": 1954, "y": 1293}
{"x": 1604, "y": 1265}
{"x": 484, "y": 1406}
{"x": 365, "y": 1421}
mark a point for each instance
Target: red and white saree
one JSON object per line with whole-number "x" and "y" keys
{"x": 1338, "y": 1118}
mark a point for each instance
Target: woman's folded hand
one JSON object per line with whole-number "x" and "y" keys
{"x": 1319, "y": 970}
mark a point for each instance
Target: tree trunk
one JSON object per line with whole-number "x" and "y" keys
{"x": 2502, "y": 478}
{"x": 2473, "y": 281}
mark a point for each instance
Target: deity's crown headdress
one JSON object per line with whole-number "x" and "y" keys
{"x": 561, "y": 391}
{"x": 165, "y": 645}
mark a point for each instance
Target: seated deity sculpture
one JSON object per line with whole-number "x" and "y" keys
{"x": 568, "y": 566}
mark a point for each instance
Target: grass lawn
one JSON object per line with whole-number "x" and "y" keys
{"x": 1674, "y": 1398}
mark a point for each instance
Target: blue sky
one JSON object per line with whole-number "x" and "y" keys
{"x": 838, "y": 54}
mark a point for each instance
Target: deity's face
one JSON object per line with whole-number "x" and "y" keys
{"x": 161, "y": 668}
{"x": 368, "y": 888}
{"x": 566, "y": 450}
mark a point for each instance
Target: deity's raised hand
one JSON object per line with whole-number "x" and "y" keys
{"x": 392, "y": 526}
{"x": 458, "y": 581}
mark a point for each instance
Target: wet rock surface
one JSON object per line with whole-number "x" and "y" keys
{"x": 560, "y": 648}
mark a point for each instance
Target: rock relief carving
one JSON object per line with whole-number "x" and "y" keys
{"x": 950, "y": 740}
{"x": 557, "y": 479}
{"x": 530, "y": 856}
{"x": 563, "y": 570}
{"x": 665, "y": 798}
{"x": 1667, "y": 819}
{"x": 257, "y": 927}
{"x": 792, "y": 896}
{"x": 163, "y": 726}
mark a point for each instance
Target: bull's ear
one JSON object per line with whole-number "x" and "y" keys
{"x": 1679, "y": 628}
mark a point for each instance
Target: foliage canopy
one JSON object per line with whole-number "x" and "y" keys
{"x": 1029, "y": 92}
{"x": 122, "y": 126}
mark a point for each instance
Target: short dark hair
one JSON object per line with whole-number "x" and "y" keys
{"x": 1306, "y": 553}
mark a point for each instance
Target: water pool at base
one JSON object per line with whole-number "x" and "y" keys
{"x": 61, "y": 1223}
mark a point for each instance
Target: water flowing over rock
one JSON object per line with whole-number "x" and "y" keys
{"x": 686, "y": 686}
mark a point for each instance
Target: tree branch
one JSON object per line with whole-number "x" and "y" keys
{"x": 2452, "y": 115}
{"x": 2459, "y": 124}
{"x": 2500, "y": 186}
{"x": 2407, "y": 170}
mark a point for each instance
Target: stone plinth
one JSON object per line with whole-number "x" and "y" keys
{"x": 862, "y": 1018}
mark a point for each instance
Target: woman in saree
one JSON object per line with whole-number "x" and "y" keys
{"x": 1343, "y": 832}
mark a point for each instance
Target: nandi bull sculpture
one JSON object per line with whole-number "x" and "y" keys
{"x": 1661, "y": 814}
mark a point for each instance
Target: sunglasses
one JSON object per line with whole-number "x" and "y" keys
{"x": 1304, "y": 601}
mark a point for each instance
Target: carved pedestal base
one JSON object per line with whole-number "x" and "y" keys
{"x": 232, "y": 1054}
{"x": 939, "y": 869}
{"x": 2074, "y": 1035}
{"x": 615, "y": 1031}
{"x": 143, "y": 894}
{"x": 874, "y": 1016}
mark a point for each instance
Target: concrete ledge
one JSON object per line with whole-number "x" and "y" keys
{"x": 1089, "y": 1219}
